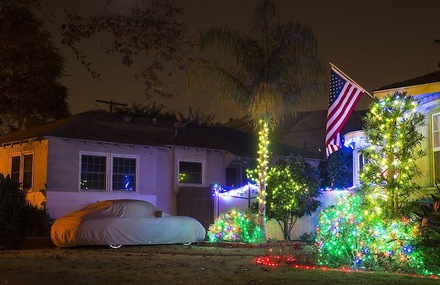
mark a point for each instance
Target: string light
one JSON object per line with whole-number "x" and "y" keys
{"x": 234, "y": 226}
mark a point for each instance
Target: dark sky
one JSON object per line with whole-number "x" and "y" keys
{"x": 374, "y": 42}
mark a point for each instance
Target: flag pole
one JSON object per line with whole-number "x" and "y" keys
{"x": 348, "y": 77}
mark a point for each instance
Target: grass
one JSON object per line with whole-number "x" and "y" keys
{"x": 166, "y": 265}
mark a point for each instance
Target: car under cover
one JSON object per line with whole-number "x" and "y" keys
{"x": 124, "y": 222}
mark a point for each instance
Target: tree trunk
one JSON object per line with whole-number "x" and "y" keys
{"x": 263, "y": 160}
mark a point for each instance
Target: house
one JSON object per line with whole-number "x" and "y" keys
{"x": 426, "y": 90}
{"x": 97, "y": 156}
{"x": 306, "y": 130}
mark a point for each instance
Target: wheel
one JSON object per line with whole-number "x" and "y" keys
{"x": 187, "y": 243}
{"x": 115, "y": 245}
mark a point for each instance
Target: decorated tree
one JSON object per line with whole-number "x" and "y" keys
{"x": 392, "y": 130}
{"x": 291, "y": 193}
{"x": 263, "y": 74}
{"x": 374, "y": 229}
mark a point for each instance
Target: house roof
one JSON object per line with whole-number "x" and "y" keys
{"x": 424, "y": 79}
{"x": 106, "y": 127}
{"x": 306, "y": 130}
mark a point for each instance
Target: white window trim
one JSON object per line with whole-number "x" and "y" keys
{"x": 195, "y": 161}
{"x": 110, "y": 185}
{"x": 107, "y": 164}
{"x": 432, "y": 132}
{"x": 109, "y": 171}
{"x": 21, "y": 171}
{"x": 432, "y": 147}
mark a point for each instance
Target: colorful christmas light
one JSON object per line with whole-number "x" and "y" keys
{"x": 234, "y": 226}
{"x": 348, "y": 236}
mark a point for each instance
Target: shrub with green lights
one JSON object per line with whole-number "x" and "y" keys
{"x": 350, "y": 235}
{"x": 374, "y": 228}
{"x": 234, "y": 226}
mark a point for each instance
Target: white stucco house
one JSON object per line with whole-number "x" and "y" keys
{"x": 426, "y": 90}
{"x": 96, "y": 155}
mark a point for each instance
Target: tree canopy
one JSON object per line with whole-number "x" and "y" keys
{"x": 147, "y": 33}
{"x": 292, "y": 192}
{"x": 30, "y": 67}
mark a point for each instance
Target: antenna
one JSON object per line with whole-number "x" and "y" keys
{"x": 111, "y": 104}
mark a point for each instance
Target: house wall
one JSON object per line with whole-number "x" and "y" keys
{"x": 157, "y": 173}
{"x": 164, "y": 180}
{"x": 63, "y": 164}
{"x": 39, "y": 149}
{"x": 426, "y": 164}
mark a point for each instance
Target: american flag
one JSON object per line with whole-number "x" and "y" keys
{"x": 344, "y": 96}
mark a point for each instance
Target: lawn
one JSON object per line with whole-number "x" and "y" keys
{"x": 168, "y": 264}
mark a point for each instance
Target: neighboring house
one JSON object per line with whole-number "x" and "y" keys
{"x": 426, "y": 90}
{"x": 306, "y": 130}
{"x": 96, "y": 156}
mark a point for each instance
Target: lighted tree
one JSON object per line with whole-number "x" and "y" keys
{"x": 374, "y": 229}
{"x": 392, "y": 131}
{"x": 263, "y": 74}
{"x": 292, "y": 191}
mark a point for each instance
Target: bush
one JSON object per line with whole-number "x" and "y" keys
{"x": 234, "y": 226}
{"x": 349, "y": 235}
{"x": 17, "y": 217}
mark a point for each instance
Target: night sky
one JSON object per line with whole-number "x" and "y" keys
{"x": 374, "y": 42}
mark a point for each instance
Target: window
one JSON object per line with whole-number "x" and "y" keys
{"x": 124, "y": 174}
{"x": 190, "y": 172}
{"x": 22, "y": 169}
{"x": 436, "y": 144}
{"x": 93, "y": 172}
{"x": 235, "y": 175}
{"x": 108, "y": 172}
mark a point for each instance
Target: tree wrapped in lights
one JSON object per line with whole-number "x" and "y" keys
{"x": 291, "y": 192}
{"x": 263, "y": 74}
{"x": 234, "y": 226}
{"x": 374, "y": 229}
{"x": 391, "y": 128}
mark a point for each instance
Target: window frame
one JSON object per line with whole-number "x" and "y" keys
{"x": 202, "y": 174}
{"x": 109, "y": 171}
{"x": 21, "y": 167}
{"x": 106, "y": 180}
{"x": 136, "y": 178}
{"x": 433, "y": 148}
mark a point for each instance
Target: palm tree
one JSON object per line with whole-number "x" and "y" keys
{"x": 269, "y": 70}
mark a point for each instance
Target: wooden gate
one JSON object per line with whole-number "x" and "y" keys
{"x": 196, "y": 202}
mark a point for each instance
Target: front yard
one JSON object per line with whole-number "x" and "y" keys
{"x": 169, "y": 264}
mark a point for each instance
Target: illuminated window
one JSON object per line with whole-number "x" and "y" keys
{"x": 124, "y": 174}
{"x": 190, "y": 172}
{"x": 93, "y": 172}
{"x": 436, "y": 143}
{"x": 22, "y": 166}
